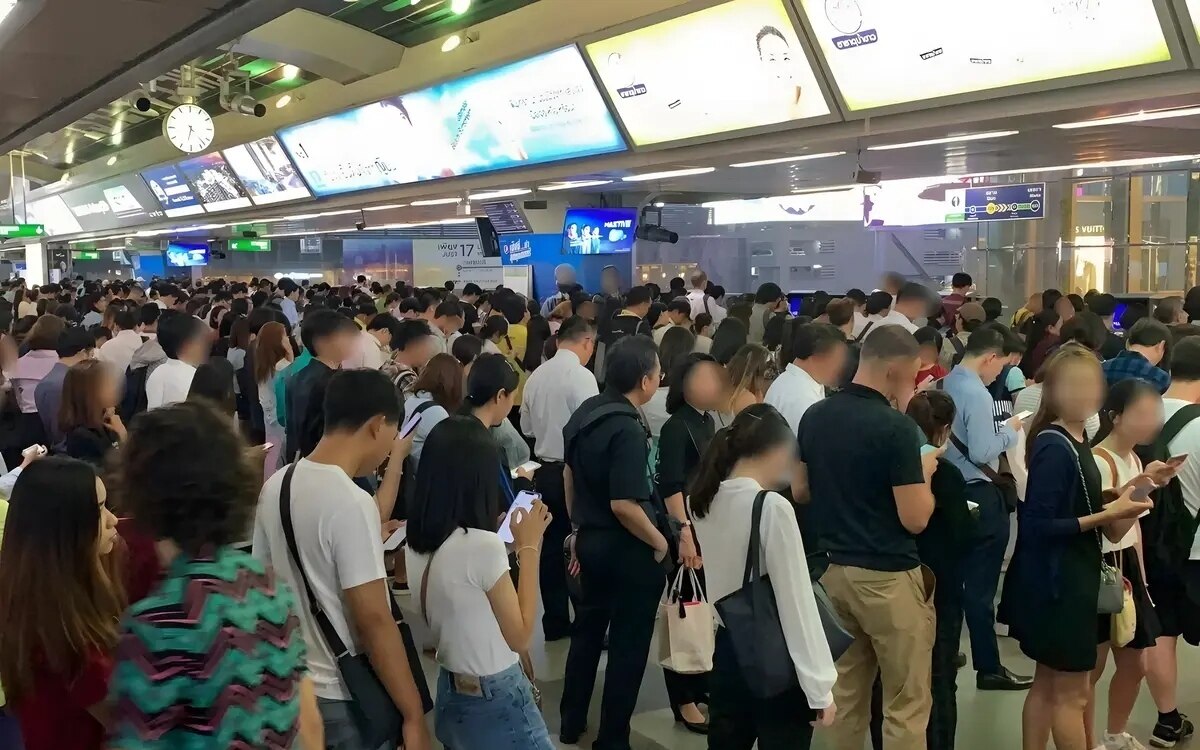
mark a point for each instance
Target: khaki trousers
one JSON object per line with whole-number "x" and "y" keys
{"x": 892, "y": 619}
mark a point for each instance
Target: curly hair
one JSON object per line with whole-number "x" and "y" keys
{"x": 184, "y": 474}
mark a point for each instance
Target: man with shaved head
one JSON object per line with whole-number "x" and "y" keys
{"x": 700, "y": 300}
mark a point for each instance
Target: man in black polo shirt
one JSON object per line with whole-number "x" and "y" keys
{"x": 331, "y": 337}
{"x": 862, "y": 470}
{"x": 619, "y": 548}
{"x": 631, "y": 320}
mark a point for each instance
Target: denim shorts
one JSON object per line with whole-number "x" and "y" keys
{"x": 503, "y": 717}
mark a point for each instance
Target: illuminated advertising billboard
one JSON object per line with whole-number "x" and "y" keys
{"x": 599, "y": 231}
{"x": 117, "y": 202}
{"x": 539, "y": 110}
{"x": 949, "y": 200}
{"x": 266, "y": 172}
{"x": 836, "y": 205}
{"x": 53, "y": 214}
{"x": 885, "y": 52}
{"x": 172, "y": 191}
{"x": 733, "y": 66}
{"x": 214, "y": 183}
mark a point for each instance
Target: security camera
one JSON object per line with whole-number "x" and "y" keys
{"x": 360, "y": 226}
{"x": 140, "y": 100}
{"x": 244, "y": 104}
{"x": 655, "y": 233}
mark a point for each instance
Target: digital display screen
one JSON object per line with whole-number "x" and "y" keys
{"x": 733, "y": 66}
{"x": 911, "y": 203}
{"x": 539, "y": 110}
{"x": 214, "y": 183}
{"x": 54, "y": 215}
{"x": 507, "y": 217}
{"x": 117, "y": 202}
{"x": 599, "y": 231}
{"x": 266, "y": 172}
{"x": 183, "y": 255}
{"x": 998, "y": 203}
{"x": 172, "y": 191}
{"x": 884, "y": 52}
{"x": 840, "y": 205}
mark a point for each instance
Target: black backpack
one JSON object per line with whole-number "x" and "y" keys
{"x": 1169, "y": 529}
{"x": 133, "y": 402}
{"x": 960, "y": 349}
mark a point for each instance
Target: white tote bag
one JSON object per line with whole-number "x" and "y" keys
{"x": 686, "y": 629}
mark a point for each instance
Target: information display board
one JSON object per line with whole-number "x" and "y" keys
{"x": 172, "y": 191}
{"x": 733, "y": 66}
{"x": 946, "y": 200}
{"x": 266, "y": 172}
{"x": 998, "y": 203}
{"x": 214, "y": 183}
{"x": 507, "y": 217}
{"x": 885, "y": 52}
{"x": 118, "y": 202}
{"x": 539, "y": 110}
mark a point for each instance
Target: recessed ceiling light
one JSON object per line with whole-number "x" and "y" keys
{"x": 460, "y": 6}
{"x": 573, "y": 184}
{"x": 289, "y": 72}
{"x": 437, "y": 201}
{"x": 451, "y": 43}
{"x": 787, "y": 159}
{"x": 508, "y": 193}
{"x": 646, "y": 177}
{"x": 111, "y": 161}
{"x": 1162, "y": 114}
{"x": 283, "y": 101}
{"x": 384, "y": 208}
{"x": 947, "y": 139}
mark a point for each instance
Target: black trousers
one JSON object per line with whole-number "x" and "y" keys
{"x": 556, "y": 620}
{"x": 737, "y": 718}
{"x": 621, "y": 587}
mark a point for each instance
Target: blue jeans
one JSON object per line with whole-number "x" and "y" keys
{"x": 981, "y": 575}
{"x": 10, "y": 732}
{"x": 341, "y": 733}
{"x": 504, "y": 717}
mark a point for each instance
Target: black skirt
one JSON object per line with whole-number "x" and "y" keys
{"x": 1148, "y": 629}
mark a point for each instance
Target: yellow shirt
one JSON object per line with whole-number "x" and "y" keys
{"x": 513, "y": 346}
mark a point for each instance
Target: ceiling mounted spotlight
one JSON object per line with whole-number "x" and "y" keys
{"x": 458, "y": 7}
{"x": 111, "y": 161}
{"x": 140, "y": 98}
{"x": 452, "y": 42}
{"x": 289, "y": 73}
{"x": 242, "y": 103}
{"x": 283, "y": 101}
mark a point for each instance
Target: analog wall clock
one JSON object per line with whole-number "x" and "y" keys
{"x": 189, "y": 128}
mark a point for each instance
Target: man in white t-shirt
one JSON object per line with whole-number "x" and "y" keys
{"x": 339, "y": 537}
{"x": 820, "y": 358}
{"x": 186, "y": 343}
{"x": 700, "y": 301}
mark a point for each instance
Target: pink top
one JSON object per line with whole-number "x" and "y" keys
{"x": 27, "y": 373}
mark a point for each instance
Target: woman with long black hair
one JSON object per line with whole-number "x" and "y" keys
{"x": 1041, "y": 336}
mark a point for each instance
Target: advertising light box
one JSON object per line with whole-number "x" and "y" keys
{"x": 172, "y": 191}
{"x": 535, "y": 111}
{"x": 948, "y": 200}
{"x": 266, "y": 172}
{"x": 53, "y": 214}
{"x": 839, "y": 205}
{"x": 118, "y": 202}
{"x": 730, "y": 67}
{"x": 214, "y": 183}
{"x": 886, "y": 52}
{"x": 599, "y": 231}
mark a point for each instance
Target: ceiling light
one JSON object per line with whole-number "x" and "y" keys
{"x": 6, "y": 7}
{"x": 787, "y": 159}
{"x": 283, "y": 101}
{"x": 66, "y": 177}
{"x": 437, "y": 201}
{"x": 570, "y": 185}
{"x": 1162, "y": 114}
{"x": 385, "y": 208}
{"x": 826, "y": 189}
{"x": 451, "y": 43}
{"x": 670, "y": 173}
{"x": 508, "y": 193}
{"x": 339, "y": 213}
{"x": 459, "y": 7}
{"x": 947, "y": 139}
{"x": 111, "y": 161}
{"x": 289, "y": 73}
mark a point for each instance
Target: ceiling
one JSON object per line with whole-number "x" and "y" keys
{"x": 412, "y": 23}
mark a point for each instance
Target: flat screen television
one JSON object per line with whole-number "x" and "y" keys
{"x": 599, "y": 231}
{"x": 185, "y": 255}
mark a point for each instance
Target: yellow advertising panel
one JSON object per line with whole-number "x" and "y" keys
{"x": 730, "y": 67}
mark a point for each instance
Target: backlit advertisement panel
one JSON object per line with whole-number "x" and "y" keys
{"x": 265, "y": 171}
{"x": 885, "y": 52}
{"x": 214, "y": 183}
{"x": 733, "y": 66}
{"x": 534, "y": 111}
{"x": 172, "y": 191}
{"x": 117, "y": 202}
{"x": 54, "y": 214}
{"x": 913, "y": 203}
{"x": 839, "y": 205}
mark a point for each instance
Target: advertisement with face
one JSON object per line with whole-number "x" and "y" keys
{"x": 882, "y": 53}
{"x": 119, "y": 202}
{"x": 172, "y": 191}
{"x": 214, "y": 183}
{"x": 266, "y": 172}
{"x": 733, "y": 66}
{"x": 599, "y": 231}
{"x": 54, "y": 214}
{"x": 839, "y": 205}
{"x": 534, "y": 111}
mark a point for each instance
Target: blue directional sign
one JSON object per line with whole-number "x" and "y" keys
{"x": 1000, "y": 203}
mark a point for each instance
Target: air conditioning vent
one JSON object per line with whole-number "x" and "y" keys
{"x": 942, "y": 257}
{"x": 826, "y": 272}
{"x": 761, "y": 249}
{"x": 825, "y": 247}
{"x": 935, "y": 234}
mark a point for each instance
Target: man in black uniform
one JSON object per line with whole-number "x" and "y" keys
{"x": 619, "y": 547}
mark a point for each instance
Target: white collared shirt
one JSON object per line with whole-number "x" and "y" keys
{"x": 696, "y": 298}
{"x": 724, "y": 535}
{"x": 169, "y": 383}
{"x": 552, "y": 394}
{"x": 118, "y": 351}
{"x": 893, "y": 318}
{"x": 370, "y": 354}
{"x": 792, "y": 393}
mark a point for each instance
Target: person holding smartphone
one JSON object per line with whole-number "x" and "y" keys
{"x": 459, "y": 566}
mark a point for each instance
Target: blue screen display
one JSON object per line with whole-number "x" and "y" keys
{"x": 599, "y": 231}
{"x": 1005, "y": 202}
{"x": 172, "y": 191}
{"x": 180, "y": 255}
{"x": 539, "y": 110}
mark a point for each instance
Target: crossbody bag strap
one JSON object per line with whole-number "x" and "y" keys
{"x": 862, "y": 334}
{"x": 425, "y": 587}
{"x": 289, "y": 533}
{"x": 753, "y": 554}
{"x": 988, "y": 471}
{"x": 1082, "y": 479}
{"x": 1112, "y": 465}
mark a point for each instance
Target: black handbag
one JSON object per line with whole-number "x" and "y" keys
{"x": 751, "y": 615}
{"x": 375, "y": 714}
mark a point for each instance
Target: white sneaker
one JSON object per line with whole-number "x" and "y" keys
{"x": 1122, "y": 741}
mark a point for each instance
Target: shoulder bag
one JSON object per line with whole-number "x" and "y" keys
{"x": 375, "y": 714}
{"x": 1124, "y": 623}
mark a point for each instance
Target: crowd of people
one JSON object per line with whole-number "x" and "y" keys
{"x": 221, "y": 488}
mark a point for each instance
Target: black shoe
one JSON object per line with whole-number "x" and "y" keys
{"x": 1002, "y": 680}
{"x": 960, "y": 661}
{"x": 1165, "y": 735}
{"x": 567, "y": 737}
{"x": 700, "y": 728}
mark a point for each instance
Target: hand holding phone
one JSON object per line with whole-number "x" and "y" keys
{"x": 398, "y": 537}
{"x": 526, "y": 470}
{"x": 523, "y": 502}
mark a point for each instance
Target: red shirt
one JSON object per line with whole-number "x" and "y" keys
{"x": 54, "y": 716}
{"x": 931, "y": 373}
{"x": 950, "y": 305}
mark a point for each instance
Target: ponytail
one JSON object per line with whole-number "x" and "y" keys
{"x": 714, "y": 468}
{"x": 756, "y": 430}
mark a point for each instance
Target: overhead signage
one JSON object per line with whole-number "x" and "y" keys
{"x": 507, "y": 217}
{"x": 884, "y": 52}
{"x": 730, "y": 67}
{"x": 111, "y": 204}
{"x": 436, "y": 261}
{"x": 245, "y": 245}
{"x": 839, "y": 205}
{"x": 540, "y": 110}
{"x": 214, "y": 183}
{"x": 172, "y": 191}
{"x": 86, "y": 255}
{"x": 52, "y": 213}
{"x": 998, "y": 203}
{"x": 266, "y": 172}
{"x": 310, "y": 245}
{"x": 14, "y": 231}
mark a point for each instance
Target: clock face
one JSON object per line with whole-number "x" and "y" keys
{"x": 189, "y": 128}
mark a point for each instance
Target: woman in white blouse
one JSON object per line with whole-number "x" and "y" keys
{"x": 272, "y": 355}
{"x": 755, "y": 453}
